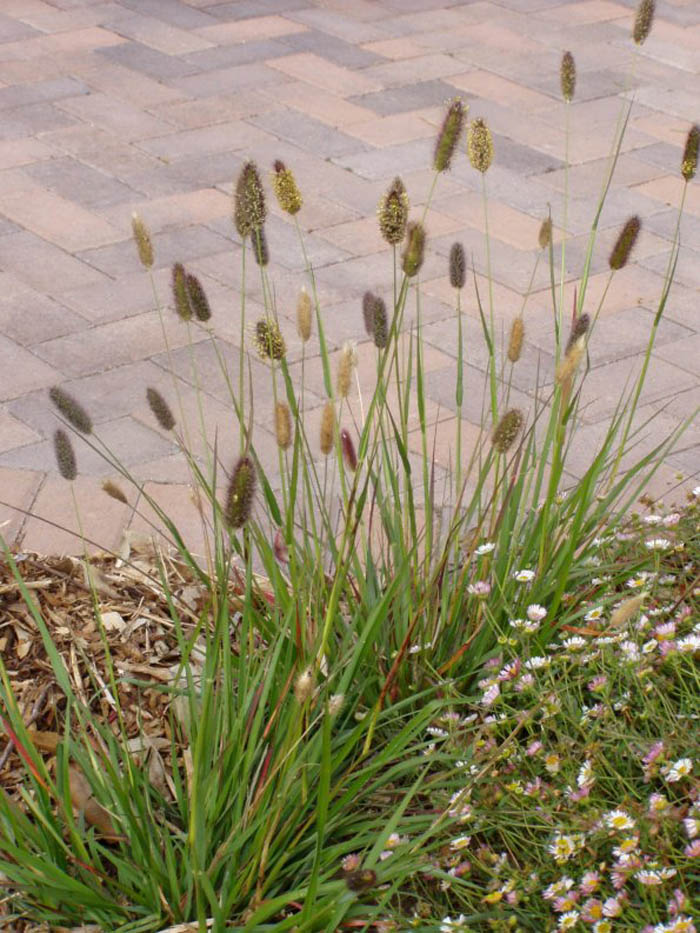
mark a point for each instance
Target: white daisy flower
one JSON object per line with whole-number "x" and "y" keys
{"x": 485, "y": 548}
{"x": 562, "y": 848}
{"x": 460, "y": 842}
{"x": 537, "y": 662}
{"x": 678, "y": 770}
{"x": 658, "y": 544}
{"x": 524, "y": 576}
{"x": 691, "y": 826}
{"x": 536, "y": 613}
{"x": 568, "y": 920}
{"x": 585, "y": 776}
{"x": 618, "y": 819}
{"x": 448, "y": 924}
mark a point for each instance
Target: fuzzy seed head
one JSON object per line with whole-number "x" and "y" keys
{"x": 480, "y": 145}
{"x": 285, "y": 187}
{"x": 261, "y": 250}
{"x": 625, "y": 242}
{"x": 578, "y": 331}
{"x": 65, "y": 455}
{"x": 368, "y": 300}
{"x": 458, "y": 266}
{"x": 327, "y": 427}
{"x": 346, "y": 367}
{"x": 71, "y": 409}
{"x": 144, "y": 244}
{"x": 393, "y": 213}
{"x": 283, "y": 425}
{"x": 161, "y": 409}
{"x": 268, "y": 340}
{"x": 690, "y": 153}
{"x": 199, "y": 303}
{"x": 507, "y": 430}
{"x": 249, "y": 209}
{"x": 335, "y": 704}
{"x": 348, "y": 448}
{"x": 643, "y": 20}
{"x": 449, "y": 135}
{"x": 515, "y": 343}
{"x": 414, "y": 251}
{"x": 361, "y": 880}
{"x": 545, "y": 235}
{"x": 241, "y": 493}
{"x": 181, "y": 295}
{"x": 304, "y": 686}
{"x": 568, "y": 366}
{"x": 380, "y": 324}
{"x": 567, "y": 76}
{"x": 114, "y": 491}
{"x": 626, "y": 610}
{"x": 304, "y": 315}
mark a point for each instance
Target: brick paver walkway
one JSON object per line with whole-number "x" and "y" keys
{"x": 112, "y": 106}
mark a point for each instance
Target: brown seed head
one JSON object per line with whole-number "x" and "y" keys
{"x": 361, "y": 880}
{"x": 346, "y": 367}
{"x": 65, "y": 455}
{"x": 625, "y": 242}
{"x": 114, "y": 491}
{"x": 449, "y": 135}
{"x": 578, "y": 331}
{"x": 368, "y": 300}
{"x": 348, "y": 449}
{"x": 268, "y": 340}
{"x": 458, "y": 266}
{"x": 479, "y": 145}
{"x": 285, "y": 187}
{"x": 643, "y": 21}
{"x": 144, "y": 244}
{"x": 393, "y": 213}
{"x": 283, "y": 425}
{"x": 507, "y": 430}
{"x": 241, "y": 493}
{"x": 327, "y": 427}
{"x": 414, "y": 250}
{"x": 71, "y": 409}
{"x": 304, "y": 315}
{"x": 199, "y": 303}
{"x": 249, "y": 210}
{"x": 567, "y": 76}
{"x": 689, "y": 163}
{"x": 380, "y": 323}
{"x": 515, "y": 343}
{"x": 260, "y": 248}
{"x": 161, "y": 409}
{"x": 181, "y": 295}
{"x": 568, "y": 366}
{"x": 545, "y": 235}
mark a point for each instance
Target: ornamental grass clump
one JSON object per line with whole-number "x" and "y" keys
{"x": 419, "y": 670}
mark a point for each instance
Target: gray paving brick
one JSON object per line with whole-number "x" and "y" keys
{"x": 687, "y": 271}
{"x": 148, "y": 61}
{"x": 242, "y": 53}
{"x": 332, "y": 48}
{"x": 307, "y": 133}
{"x": 32, "y": 120}
{"x": 171, "y": 11}
{"x": 409, "y": 97}
{"x": 43, "y": 266}
{"x": 12, "y": 30}
{"x": 22, "y": 95}
{"x": 76, "y": 181}
{"x": 343, "y": 27}
{"x": 389, "y": 161}
{"x": 28, "y": 316}
{"x": 247, "y": 9}
{"x": 226, "y": 80}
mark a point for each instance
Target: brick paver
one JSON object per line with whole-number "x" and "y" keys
{"x": 153, "y": 106}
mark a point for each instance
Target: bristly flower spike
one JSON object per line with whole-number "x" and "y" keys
{"x": 161, "y": 409}
{"x": 181, "y": 295}
{"x": 241, "y": 493}
{"x": 198, "y": 301}
{"x": 380, "y": 323}
{"x": 368, "y": 300}
{"x": 348, "y": 449}
{"x": 114, "y": 491}
{"x": 144, "y": 244}
{"x": 643, "y": 21}
{"x": 65, "y": 455}
{"x": 285, "y": 187}
{"x": 479, "y": 145}
{"x": 544, "y": 237}
{"x": 268, "y": 340}
{"x": 414, "y": 251}
{"x": 567, "y": 76}
{"x": 304, "y": 315}
{"x": 71, "y": 409}
{"x": 507, "y": 430}
{"x": 250, "y": 210}
{"x": 393, "y": 213}
{"x": 515, "y": 343}
{"x": 327, "y": 427}
{"x": 283, "y": 425}
{"x": 458, "y": 266}
{"x": 625, "y": 242}
{"x": 346, "y": 367}
{"x": 578, "y": 332}
{"x": 260, "y": 248}
{"x": 449, "y": 135}
{"x": 689, "y": 162}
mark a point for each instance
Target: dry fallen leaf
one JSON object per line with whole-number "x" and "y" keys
{"x": 82, "y": 799}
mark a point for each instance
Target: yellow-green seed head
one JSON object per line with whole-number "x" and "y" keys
{"x": 285, "y": 187}
{"x": 71, "y": 409}
{"x": 327, "y": 428}
{"x": 515, "y": 343}
{"x": 304, "y": 315}
{"x": 249, "y": 210}
{"x": 625, "y": 242}
{"x": 241, "y": 493}
{"x": 161, "y": 409}
{"x": 393, "y": 213}
{"x": 198, "y": 301}
{"x": 458, "y": 266}
{"x": 414, "y": 251}
{"x": 507, "y": 430}
{"x": 689, "y": 163}
{"x": 181, "y": 296}
{"x": 567, "y": 76}
{"x": 449, "y": 135}
{"x": 479, "y": 145}
{"x": 283, "y": 425}
{"x": 544, "y": 237}
{"x": 144, "y": 244}
{"x": 65, "y": 455}
{"x": 260, "y": 248}
{"x": 268, "y": 340}
{"x": 643, "y": 21}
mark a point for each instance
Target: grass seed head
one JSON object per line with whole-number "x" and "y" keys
{"x": 144, "y": 244}
{"x": 458, "y": 266}
{"x": 283, "y": 425}
{"x": 393, "y": 213}
{"x": 181, "y": 295}
{"x": 199, "y": 303}
{"x": 624, "y": 244}
{"x": 544, "y": 237}
{"x": 304, "y": 686}
{"x": 368, "y": 300}
{"x": 71, "y": 409}
{"x": 346, "y": 367}
{"x": 261, "y": 250}
{"x": 515, "y": 343}
{"x": 304, "y": 315}
{"x": 414, "y": 251}
{"x": 480, "y": 145}
{"x": 268, "y": 340}
{"x": 449, "y": 135}
{"x": 348, "y": 448}
{"x": 578, "y": 331}
{"x": 626, "y": 610}
{"x": 689, "y": 163}
{"x": 507, "y": 430}
{"x": 161, "y": 409}
{"x": 380, "y": 323}
{"x": 285, "y": 187}
{"x": 249, "y": 208}
{"x": 114, "y": 491}
{"x": 643, "y": 21}
{"x": 65, "y": 455}
{"x": 361, "y": 880}
{"x": 567, "y": 76}
{"x": 568, "y": 366}
{"x": 327, "y": 427}
{"x": 241, "y": 493}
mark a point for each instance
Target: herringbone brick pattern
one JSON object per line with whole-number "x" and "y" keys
{"x": 114, "y": 106}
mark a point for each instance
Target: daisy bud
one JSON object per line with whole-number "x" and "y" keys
{"x": 181, "y": 295}
{"x": 198, "y": 300}
{"x": 304, "y": 315}
{"x": 515, "y": 344}
{"x": 414, "y": 251}
{"x": 643, "y": 21}
{"x": 567, "y": 76}
{"x": 283, "y": 425}
{"x": 268, "y": 340}
{"x": 65, "y": 455}
{"x": 458, "y": 266}
{"x": 346, "y": 366}
{"x": 285, "y": 187}
{"x": 161, "y": 409}
{"x": 327, "y": 426}
{"x": 241, "y": 493}
{"x": 449, "y": 135}
{"x": 690, "y": 153}
{"x": 348, "y": 448}
{"x": 507, "y": 430}
{"x": 144, "y": 244}
{"x": 545, "y": 235}
{"x": 393, "y": 213}
{"x": 71, "y": 409}
{"x": 626, "y": 240}
{"x": 480, "y": 145}
{"x": 250, "y": 210}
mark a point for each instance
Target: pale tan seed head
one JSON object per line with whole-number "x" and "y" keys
{"x": 627, "y": 610}
{"x": 414, "y": 251}
{"x": 142, "y": 238}
{"x": 304, "y": 315}
{"x": 304, "y": 686}
{"x": 515, "y": 343}
{"x": 346, "y": 367}
{"x": 283, "y": 425}
{"x": 327, "y": 428}
{"x": 480, "y": 145}
{"x": 568, "y": 366}
{"x": 545, "y": 235}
